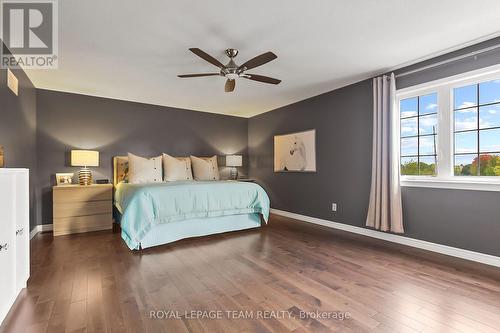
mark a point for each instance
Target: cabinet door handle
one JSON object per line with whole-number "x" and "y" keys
{"x": 4, "y": 247}
{"x": 19, "y": 232}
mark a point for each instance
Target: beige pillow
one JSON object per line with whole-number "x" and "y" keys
{"x": 205, "y": 168}
{"x": 176, "y": 168}
{"x": 144, "y": 170}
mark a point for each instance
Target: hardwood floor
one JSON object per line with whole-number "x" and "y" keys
{"x": 93, "y": 283}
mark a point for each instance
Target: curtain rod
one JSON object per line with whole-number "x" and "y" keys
{"x": 447, "y": 61}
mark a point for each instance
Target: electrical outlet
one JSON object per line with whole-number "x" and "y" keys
{"x": 334, "y": 207}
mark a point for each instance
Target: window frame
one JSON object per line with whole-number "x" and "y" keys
{"x": 418, "y": 136}
{"x": 444, "y": 88}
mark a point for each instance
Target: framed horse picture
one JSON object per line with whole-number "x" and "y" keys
{"x": 295, "y": 152}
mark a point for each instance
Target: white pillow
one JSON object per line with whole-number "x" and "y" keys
{"x": 205, "y": 168}
{"x": 144, "y": 170}
{"x": 176, "y": 168}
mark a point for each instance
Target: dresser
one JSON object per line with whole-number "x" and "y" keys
{"x": 79, "y": 208}
{"x": 14, "y": 236}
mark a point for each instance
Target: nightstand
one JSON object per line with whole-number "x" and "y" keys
{"x": 78, "y": 208}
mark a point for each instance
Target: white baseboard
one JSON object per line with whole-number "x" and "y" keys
{"x": 417, "y": 243}
{"x": 40, "y": 228}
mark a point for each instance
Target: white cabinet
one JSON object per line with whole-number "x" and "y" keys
{"x": 14, "y": 235}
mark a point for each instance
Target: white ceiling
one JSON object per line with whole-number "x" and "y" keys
{"x": 133, "y": 50}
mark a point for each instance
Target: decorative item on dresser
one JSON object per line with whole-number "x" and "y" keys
{"x": 85, "y": 158}
{"x": 2, "y": 161}
{"x": 79, "y": 208}
{"x": 64, "y": 179}
{"x": 14, "y": 236}
{"x": 234, "y": 161}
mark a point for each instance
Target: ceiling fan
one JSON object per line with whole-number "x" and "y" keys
{"x": 232, "y": 71}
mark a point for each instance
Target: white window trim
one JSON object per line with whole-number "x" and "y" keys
{"x": 445, "y": 171}
{"x": 456, "y": 184}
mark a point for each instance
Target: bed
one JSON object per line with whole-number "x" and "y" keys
{"x": 160, "y": 213}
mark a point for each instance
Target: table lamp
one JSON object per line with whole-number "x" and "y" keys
{"x": 234, "y": 161}
{"x": 85, "y": 158}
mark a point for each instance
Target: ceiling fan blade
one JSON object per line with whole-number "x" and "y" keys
{"x": 258, "y": 61}
{"x": 198, "y": 75}
{"x": 261, "y": 78}
{"x": 207, "y": 57}
{"x": 229, "y": 85}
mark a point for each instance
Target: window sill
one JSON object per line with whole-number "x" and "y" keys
{"x": 455, "y": 184}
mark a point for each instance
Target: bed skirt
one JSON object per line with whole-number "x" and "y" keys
{"x": 170, "y": 232}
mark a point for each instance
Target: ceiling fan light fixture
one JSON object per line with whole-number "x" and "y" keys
{"x": 232, "y": 76}
{"x": 232, "y": 71}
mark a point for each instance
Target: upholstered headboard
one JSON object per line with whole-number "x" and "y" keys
{"x": 120, "y": 169}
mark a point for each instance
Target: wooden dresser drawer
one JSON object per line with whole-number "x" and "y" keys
{"x": 73, "y": 225}
{"x": 82, "y": 208}
{"x": 82, "y": 193}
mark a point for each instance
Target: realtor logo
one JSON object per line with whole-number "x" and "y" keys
{"x": 29, "y": 33}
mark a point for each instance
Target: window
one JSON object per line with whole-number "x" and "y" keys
{"x": 418, "y": 135}
{"x": 476, "y": 111}
{"x": 450, "y": 130}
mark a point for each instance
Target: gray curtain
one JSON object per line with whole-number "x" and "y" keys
{"x": 385, "y": 212}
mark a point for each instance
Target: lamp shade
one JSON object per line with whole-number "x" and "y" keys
{"x": 234, "y": 160}
{"x": 84, "y": 158}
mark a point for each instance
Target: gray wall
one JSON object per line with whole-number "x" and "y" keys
{"x": 113, "y": 127}
{"x": 18, "y": 128}
{"x": 343, "y": 134}
{"x": 343, "y": 122}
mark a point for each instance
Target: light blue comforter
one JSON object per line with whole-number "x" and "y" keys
{"x": 145, "y": 205}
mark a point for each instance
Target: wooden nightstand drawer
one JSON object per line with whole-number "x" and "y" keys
{"x": 82, "y": 208}
{"x": 75, "y": 193}
{"x": 78, "y": 224}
